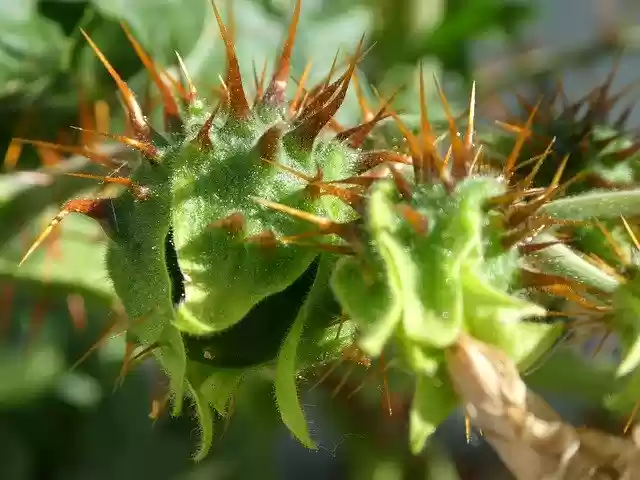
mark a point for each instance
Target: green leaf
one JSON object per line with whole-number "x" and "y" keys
{"x": 625, "y": 395}
{"x": 205, "y": 422}
{"x": 595, "y": 204}
{"x": 370, "y": 302}
{"x": 569, "y": 373}
{"x": 74, "y": 264}
{"x": 163, "y": 27}
{"x": 287, "y": 364}
{"x": 626, "y": 302}
{"x": 433, "y": 401}
{"x": 219, "y": 387}
{"x": 32, "y": 49}
{"x": 26, "y": 376}
{"x": 561, "y": 260}
{"x": 24, "y": 196}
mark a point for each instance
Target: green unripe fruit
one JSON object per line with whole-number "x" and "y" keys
{"x": 211, "y": 277}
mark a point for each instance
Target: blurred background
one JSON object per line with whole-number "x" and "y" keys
{"x": 61, "y": 421}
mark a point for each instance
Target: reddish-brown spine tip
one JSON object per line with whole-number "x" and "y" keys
{"x": 233, "y": 223}
{"x": 238, "y": 104}
{"x": 275, "y": 94}
{"x": 143, "y": 146}
{"x": 94, "y": 208}
{"x": 171, "y": 111}
{"x": 306, "y": 133}
{"x": 203, "y": 135}
{"x": 268, "y": 143}
{"x": 134, "y": 111}
{"x": 192, "y": 92}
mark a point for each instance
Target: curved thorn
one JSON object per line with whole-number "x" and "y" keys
{"x": 147, "y": 149}
{"x": 169, "y": 103}
{"x": 236, "y": 96}
{"x": 73, "y": 150}
{"x": 138, "y": 120}
{"x": 275, "y": 94}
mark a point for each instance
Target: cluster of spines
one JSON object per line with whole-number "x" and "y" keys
{"x": 312, "y": 111}
{"x": 571, "y": 126}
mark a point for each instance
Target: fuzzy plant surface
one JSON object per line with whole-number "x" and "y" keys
{"x": 261, "y": 234}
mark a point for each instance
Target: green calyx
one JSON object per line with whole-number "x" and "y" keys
{"x": 419, "y": 288}
{"x": 435, "y": 283}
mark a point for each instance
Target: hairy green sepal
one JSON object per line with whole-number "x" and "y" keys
{"x": 422, "y": 289}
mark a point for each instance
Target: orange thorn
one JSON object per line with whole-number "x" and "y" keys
{"x": 275, "y": 94}
{"x": 141, "y": 192}
{"x": 12, "y": 154}
{"x": 137, "y": 118}
{"x": 92, "y": 208}
{"x": 358, "y": 134}
{"x": 292, "y": 171}
{"x": 259, "y": 81}
{"x": 268, "y": 144}
{"x": 159, "y": 406}
{"x": 327, "y": 373}
{"x": 266, "y": 239}
{"x": 460, "y": 165}
{"x": 130, "y": 348}
{"x": 348, "y": 195}
{"x": 294, "y": 212}
{"x": 617, "y": 249}
{"x": 528, "y": 180}
{"x": 311, "y": 126}
{"x": 632, "y": 235}
{"x": 236, "y": 96}
{"x": 523, "y": 135}
{"x": 631, "y": 418}
{"x": 296, "y": 102}
{"x": 385, "y": 384}
{"x": 77, "y": 310}
{"x": 323, "y": 92}
{"x": 313, "y": 102}
{"x": 402, "y": 184}
{"x": 373, "y": 159}
{"x": 73, "y": 150}
{"x": 332, "y": 69}
{"x": 170, "y": 105}
{"x": 192, "y": 92}
{"x": 411, "y": 139}
{"x": 229, "y": 414}
{"x": 143, "y": 146}
{"x": 110, "y": 331}
{"x": 418, "y": 222}
{"x": 343, "y": 380}
{"x": 471, "y": 120}
{"x": 365, "y": 111}
{"x": 233, "y": 223}
{"x": 203, "y": 135}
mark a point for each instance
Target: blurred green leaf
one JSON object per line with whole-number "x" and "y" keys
{"x": 26, "y": 375}
{"x": 32, "y": 49}
{"x": 25, "y": 195}
{"x": 75, "y": 264}
{"x": 162, "y": 26}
